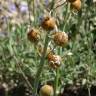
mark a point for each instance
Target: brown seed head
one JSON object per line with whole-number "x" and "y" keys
{"x": 48, "y": 23}
{"x": 54, "y": 60}
{"x": 76, "y": 5}
{"x": 60, "y": 38}
{"x": 46, "y": 90}
{"x": 33, "y": 35}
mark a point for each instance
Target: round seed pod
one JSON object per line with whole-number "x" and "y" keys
{"x": 76, "y": 5}
{"x": 48, "y": 23}
{"x": 46, "y": 90}
{"x": 33, "y": 35}
{"x": 54, "y": 60}
{"x": 60, "y": 38}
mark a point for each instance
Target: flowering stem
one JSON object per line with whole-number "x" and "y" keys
{"x": 56, "y": 77}
{"x": 40, "y": 67}
{"x": 56, "y": 82}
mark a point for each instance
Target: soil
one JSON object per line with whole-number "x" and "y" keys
{"x": 71, "y": 90}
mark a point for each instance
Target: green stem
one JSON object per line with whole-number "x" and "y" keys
{"x": 52, "y": 6}
{"x": 40, "y": 67}
{"x": 53, "y": 2}
{"x": 56, "y": 82}
{"x": 57, "y": 76}
{"x": 89, "y": 94}
{"x": 34, "y": 12}
{"x": 67, "y": 16}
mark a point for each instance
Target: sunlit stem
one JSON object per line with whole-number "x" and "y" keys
{"x": 56, "y": 82}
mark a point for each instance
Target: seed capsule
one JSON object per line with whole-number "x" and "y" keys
{"x": 33, "y": 35}
{"x": 54, "y": 60}
{"x": 76, "y": 5}
{"x": 48, "y": 23}
{"x": 46, "y": 90}
{"x": 60, "y": 38}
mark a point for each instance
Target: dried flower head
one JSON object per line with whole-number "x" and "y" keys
{"x": 60, "y": 38}
{"x": 54, "y": 60}
{"x": 46, "y": 90}
{"x": 33, "y": 35}
{"x": 76, "y": 5}
{"x": 48, "y": 23}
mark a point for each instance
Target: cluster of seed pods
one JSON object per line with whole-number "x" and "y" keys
{"x": 59, "y": 38}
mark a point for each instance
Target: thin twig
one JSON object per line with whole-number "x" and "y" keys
{"x": 40, "y": 68}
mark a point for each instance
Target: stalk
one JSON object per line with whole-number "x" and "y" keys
{"x": 41, "y": 65}
{"x": 89, "y": 94}
{"x": 57, "y": 77}
{"x": 56, "y": 82}
{"x": 67, "y": 17}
